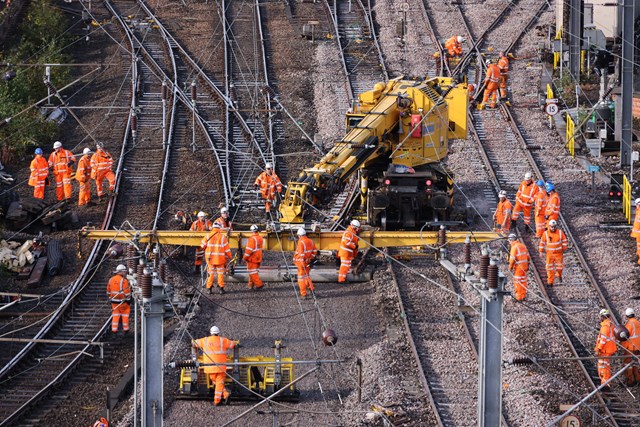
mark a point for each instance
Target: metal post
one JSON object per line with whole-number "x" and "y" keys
{"x": 561, "y": 57}
{"x": 136, "y": 349}
{"x": 575, "y": 38}
{"x": 627, "y": 82}
{"x": 164, "y": 115}
{"x": 152, "y": 360}
{"x": 47, "y": 73}
{"x": 193, "y": 102}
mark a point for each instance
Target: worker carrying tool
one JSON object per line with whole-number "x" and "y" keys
{"x": 540, "y": 204}
{"x": 303, "y": 257}
{"x": 214, "y": 350}
{"x": 503, "y": 65}
{"x": 519, "y": 264}
{"x": 101, "y": 164}
{"x": 223, "y": 220}
{"x": 552, "y": 210}
{"x": 632, "y": 347}
{"x": 268, "y": 184}
{"x": 60, "y": 162}
{"x": 119, "y": 293}
{"x": 39, "y": 177}
{"x": 605, "y": 347}
{"x": 216, "y": 253}
{"x": 454, "y": 46}
{"x": 200, "y": 224}
{"x": 253, "y": 257}
{"x": 83, "y": 176}
{"x": 491, "y": 82}
{"x": 525, "y": 200}
{"x": 635, "y": 232}
{"x": 348, "y": 249}
{"x": 554, "y": 242}
{"x": 502, "y": 215}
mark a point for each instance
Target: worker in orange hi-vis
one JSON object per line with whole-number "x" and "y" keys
{"x": 253, "y": 257}
{"x": 83, "y": 176}
{"x": 540, "y": 204}
{"x": 216, "y": 253}
{"x": 348, "y": 249}
{"x": 519, "y": 264}
{"x": 119, "y": 292}
{"x": 223, "y": 220}
{"x": 101, "y": 164}
{"x": 554, "y": 242}
{"x": 632, "y": 347}
{"x": 525, "y": 200}
{"x": 491, "y": 82}
{"x": 269, "y": 185}
{"x": 605, "y": 347}
{"x": 102, "y": 422}
{"x": 214, "y": 355}
{"x": 635, "y": 232}
{"x": 552, "y": 210}
{"x": 453, "y": 46}
{"x": 60, "y": 162}
{"x": 303, "y": 257}
{"x": 200, "y": 224}
{"x": 502, "y": 215}
{"x": 503, "y": 65}
{"x": 39, "y": 177}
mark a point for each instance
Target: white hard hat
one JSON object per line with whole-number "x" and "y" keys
{"x": 502, "y": 193}
{"x": 302, "y": 231}
{"x": 99, "y": 144}
{"x": 86, "y": 151}
{"x": 253, "y": 228}
{"x": 637, "y": 202}
{"x": 120, "y": 268}
{"x": 216, "y": 225}
{"x": 527, "y": 175}
{"x": 461, "y": 39}
{"x": 268, "y": 166}
{"x": 57, "y": 144}
{"x": 355, "y": 223}
{"x": 604, "y": 312}
{"x": 201, "y": 214}
{"x": 224, "y": 211}
{"x": 512, "y": 237}
{"x": 214, "y": 330}
{"x": 553, "y": 223}
{"x": 629, "y": 312}
{"x": 489, "y": 61}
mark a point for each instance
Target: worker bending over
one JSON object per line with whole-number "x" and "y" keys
{"x": 348, "y": 249}
{"x": 303, "y": 257}
{"x": 554, "y": 242}
{"x": 519, "y": 264}
{"x": 605, "y": 347}
{"x": 269, "y": 184}
{"x": 253, "y": 257}
{"x": 454, "y": 46}
{"x": 119, "y": 293}
{"x": 214, "y": 352}
{"x": 216, "y": 253}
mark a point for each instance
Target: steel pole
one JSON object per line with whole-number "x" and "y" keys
{"x": 152, "y": 366}
{"x": 627, "y": 82}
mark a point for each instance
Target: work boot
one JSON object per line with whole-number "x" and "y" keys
{"x": 210, "y": 290}
{"x": 250, "y": 285}
{"x": 559, "y": 280}
{"x": 221, "y": 290}
{"x": 100, "y": 199}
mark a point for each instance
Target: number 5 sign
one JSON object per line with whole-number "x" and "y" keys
{"x": 570, "y": 421}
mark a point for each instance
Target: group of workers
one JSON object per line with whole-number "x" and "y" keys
{"x": 543, "y": 201}
{"x": 96, "y": 166}
{"x": 606, "y": 346}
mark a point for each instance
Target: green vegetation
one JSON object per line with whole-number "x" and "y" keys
{"x": 39, "y": 41}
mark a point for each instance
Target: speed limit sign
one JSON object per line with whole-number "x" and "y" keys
{"x": 570, "y": 420}
{"x": 552, "y": 109}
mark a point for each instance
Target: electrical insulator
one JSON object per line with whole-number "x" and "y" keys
{"x": 134, "y": 124}
{"x": 183, "y": 364}
{"x": 329, "y": 337}
{"x": 193, "y": 92}
{"x": 165, "y": 94}
{"x": 145, "y": 283}
{"x": 442, "y": 236}
{"x": 131, "y": 258}
{"x": 162, "y": 271}
{"x": 467, "y": 252}
{"x": 484, "y": 266}
{"x": 140, "y": 269}
{"x": 492, "y": 275}
{"x": 521, "y": 361}
{"x": 116, "y": 251}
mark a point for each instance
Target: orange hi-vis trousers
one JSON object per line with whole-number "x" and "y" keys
{"x": 345, "y": 267}
{"x": 490, "y": 91}
{"x": 638, "y": 248}
{"x": 221, "y": 392}
{"x": 215, "y": 271}
{"x": 120, "y": 310}
{"x": 109, "y": 176}
{"x": 38, "y": 189}
{"x": 63, "y": 186}
{"x": 84, "y": 193}
{"x": 520, "y": 282}
{"x": 526, "y": 212}
{"x": 555, "y": 265}
{"x": 541, "y": 225}
{"x": 253, "y": 269}
{"x": 632, "y": 373}
{"x": 604, "y": 368}
{"x": 304, "y": 280}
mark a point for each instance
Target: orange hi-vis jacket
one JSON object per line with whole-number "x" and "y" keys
{"x": 348, "y": 244}
{"x": 269, "y": 184}
{"x": 503, "y": 212}
{"x": 101, "y": 161}
{"x": 305, "y": 251}
{"x": 59, "y": 162}
{"x": 118, "y": 289}
{"x": 198, "y": 225}
{"x": 453, "y": 46}
{"x": 606, "y": 341}
{"x": 225, "y": 224}
{"x": 635, "y": 232}
{"x": 253, "y": 250}
{"x": 519, "y": 256}
{"x": 552, "y": 211}
{"x": 493, "y": 75}
{"x": 503, "y": 65}
{"x": 540, "y": 203}
{"x": 214, "y": 350}
{"x": 216, "y": 247}
{"x": 83, "y": 172}
{"x": 526, "y": 193}
{"x": 633, "y": 343}
{"x": 39, "y": 170}
{"x": 553, "y": 241}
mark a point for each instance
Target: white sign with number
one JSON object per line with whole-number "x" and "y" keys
{"x": 552, "y": 109}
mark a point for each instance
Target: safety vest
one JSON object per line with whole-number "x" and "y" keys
{"x": 253, "y": 250}
{"x": 526, "y": 193}
{"x": 216, "y": 247}
{"x": 540, "y": 200}
{"x": 58, "y": 161}
{"x": 453, "y": 46}
{"x": 118, "y": 289}
{"x": 305, "y": 251}
{"x": 348, "y": 244}
{"x": 83, "y": 172}
{"x": 269, "y": 184}
{"x": 101, "y": 161}
{"x": 225, "y": 224}
{"x": 39, "y": 170}
{"x": 606, "y": 342}
{"x": 493, "y": 74}
{"x": 102, "y": 422}
{"x": 635, "y": 232}
{"x": 214, "y": 350}
{"x": 553, "y": 206}
{"x": 503, "y": 65}
{"x": 198, "y": 225}
{"x": 633, "y": 343}
{"x": 503, "y": 211}
{"x": 519, "y": 255}
{"x": 553, "y": 241}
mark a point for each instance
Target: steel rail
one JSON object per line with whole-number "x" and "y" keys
{"x": 443, "y": 64}
{"x": 333, "y": 14}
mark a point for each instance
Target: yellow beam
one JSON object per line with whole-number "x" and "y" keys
{"x": 285, "y": 240}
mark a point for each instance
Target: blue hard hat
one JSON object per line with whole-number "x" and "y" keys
{"x": 540, "y": 183}
{"x": 38, "y": 150}
{"x": 549, "y": 187}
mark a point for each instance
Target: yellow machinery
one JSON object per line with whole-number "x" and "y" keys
{"x": 397, "y": 137}
{"x": 257, "y": 374}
